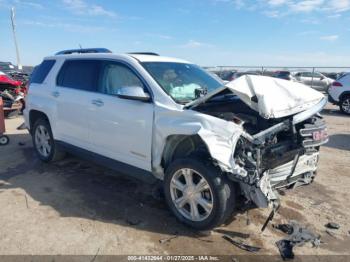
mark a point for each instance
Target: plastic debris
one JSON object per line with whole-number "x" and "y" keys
{"x": 168, "y": 239}
{"x": 241, "y": 245}
{"x": 298, "y": 236}
{"x": 332, "y": 225}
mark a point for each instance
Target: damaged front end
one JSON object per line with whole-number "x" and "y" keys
{"x": 282, "y": 155}
{"x": 279, "y": 146}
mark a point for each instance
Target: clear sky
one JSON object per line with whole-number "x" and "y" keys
{"x": 207, "y": 32}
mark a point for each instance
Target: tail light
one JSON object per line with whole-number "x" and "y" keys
{"x": 337, "y": 84}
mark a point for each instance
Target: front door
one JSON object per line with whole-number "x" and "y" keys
{"x": 121, "y": 129}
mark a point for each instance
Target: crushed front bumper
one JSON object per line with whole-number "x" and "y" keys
{"x": 306, "y": 164}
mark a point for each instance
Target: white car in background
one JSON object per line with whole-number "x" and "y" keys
{"x": 339, "y": 93}
{"x": 315, "y": 80}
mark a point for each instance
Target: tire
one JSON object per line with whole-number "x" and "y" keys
{"x": 219, "y": 193}
{"x": 46, "y": 151}
{"x": 4, "y": 140}
{"x": 344, "y": 105}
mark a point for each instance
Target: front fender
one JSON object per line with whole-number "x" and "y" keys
{"x": 220, "y": 136}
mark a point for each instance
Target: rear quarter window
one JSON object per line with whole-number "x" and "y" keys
{"x": 80, "y": 74}
{"x": 41, "y": 71}
{"x": 344, "y": 78}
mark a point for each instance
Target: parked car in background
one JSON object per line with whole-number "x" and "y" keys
{"x": 339, "y": 93}
{"x": 6, "y": 81}
{"x": 17, "y": 75}
{"x": 286, "y": 75}
{"x": 7, "y": 67}
{"x": 315, "y": 80}
{"x": 239, "y": 74}
{"x": 226, "y": 75}
{"x": 331, "y": 75}
{"x": 12, "y": 92}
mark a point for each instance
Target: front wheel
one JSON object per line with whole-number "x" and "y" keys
{"x": 345, "y": 105}
{"x": 198, "y": 194}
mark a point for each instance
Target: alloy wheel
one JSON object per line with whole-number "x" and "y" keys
{"x": 191, "y": 194}
{"x": 42, "y": 141}
{"x": 346, "y": 105}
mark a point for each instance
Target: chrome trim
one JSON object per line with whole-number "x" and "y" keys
{"x": 298, "y": 118}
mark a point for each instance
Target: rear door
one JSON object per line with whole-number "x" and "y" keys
{"x": 75, "y": 88}
{"x": 121, "y": 129}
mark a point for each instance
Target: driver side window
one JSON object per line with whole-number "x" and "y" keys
{"x": 116, "y": 75}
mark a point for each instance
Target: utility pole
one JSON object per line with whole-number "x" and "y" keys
{"x": 19, "y": 65}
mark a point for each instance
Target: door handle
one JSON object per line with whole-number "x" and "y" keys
{"x": 55, "y": 94}
{"x": 97, "y": 102}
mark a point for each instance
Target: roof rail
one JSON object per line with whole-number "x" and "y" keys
{"x": 83, "y": 51}
{"x": 143, "y": 53}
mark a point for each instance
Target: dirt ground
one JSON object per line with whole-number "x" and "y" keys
{"x": 75, "y": 207}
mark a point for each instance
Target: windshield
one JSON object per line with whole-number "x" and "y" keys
{"x": 183, "y": 82}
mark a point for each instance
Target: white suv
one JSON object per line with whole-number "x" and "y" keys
{"x": 339, "y": 93}
{"x": 165, "y": 119}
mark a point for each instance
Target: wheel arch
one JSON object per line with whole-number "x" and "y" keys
{"x": 34, "y": 115}
{"x": 344, "y": 94}
{"x": 179, "y": 146}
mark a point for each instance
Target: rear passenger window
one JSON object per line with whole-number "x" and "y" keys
{"x": 40, "y": 73}
{"x": 79, "y": 74}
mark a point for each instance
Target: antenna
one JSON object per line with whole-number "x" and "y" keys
{"x": 19, "y": 65}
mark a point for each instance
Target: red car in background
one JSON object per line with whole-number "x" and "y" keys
{"x": 7, "y": 81}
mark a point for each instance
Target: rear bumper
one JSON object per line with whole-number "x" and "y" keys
{"x": 331, "y": 100}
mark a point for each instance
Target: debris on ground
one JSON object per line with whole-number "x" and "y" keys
{"x": 247, "y": 219}
{"x": 286, "y": 249}
{"x": 332, "y": 234}
{"x": 232, "y": 234}
{"x": 21, "y": 143}
{"x": 168, "y": 239}
{"x": 298, "y": 236}
{"x": 332, "y": 225}
{"x": 285, "y": 228}
{"x": 270, "y": 217}
{"x": 25, "y": 197}
{"x": 241, "y": 245}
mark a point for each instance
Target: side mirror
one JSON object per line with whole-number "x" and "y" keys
{"x": 322, "y": 77}
{"x": 133, "y": 93}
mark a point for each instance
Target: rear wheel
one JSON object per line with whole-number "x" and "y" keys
{"x": 44, "y": 143}
{"x": 198, "y": 194}
{"x": 345, "y": 105}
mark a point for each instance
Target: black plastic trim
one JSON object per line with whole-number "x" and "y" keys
{"x": 123, "y": 168}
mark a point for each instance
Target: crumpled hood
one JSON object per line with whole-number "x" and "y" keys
{"x": 273, "y": 97}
